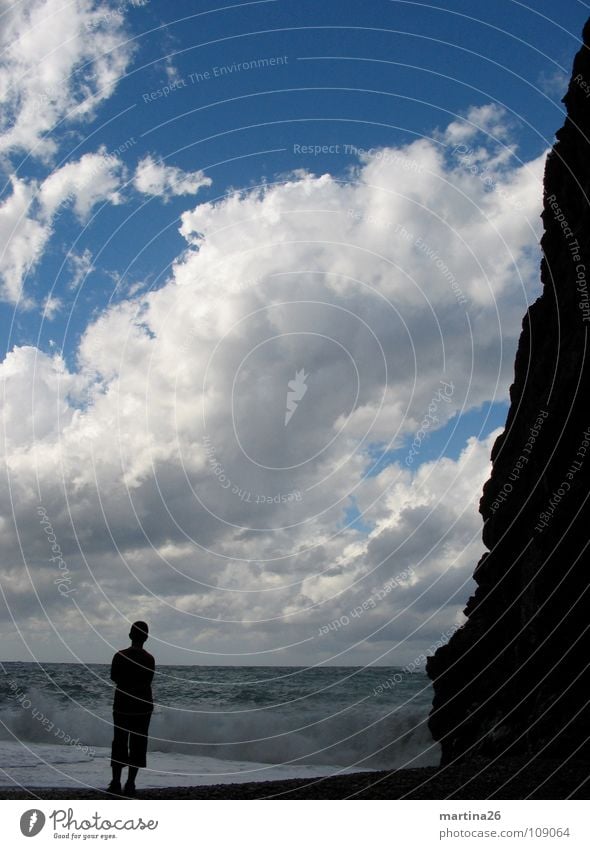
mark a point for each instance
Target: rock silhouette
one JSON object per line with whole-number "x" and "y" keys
{"x": 515, "y": 679}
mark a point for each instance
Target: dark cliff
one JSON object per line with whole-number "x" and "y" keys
{"x": 515, "y": 678}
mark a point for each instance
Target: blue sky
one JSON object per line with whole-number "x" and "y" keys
{"x": 197, "y": 204}
{"x": 362, "y": 75}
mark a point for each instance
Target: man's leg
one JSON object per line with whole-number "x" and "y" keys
{"x": 119, "y": 750}
{"x": 138, "y": 740}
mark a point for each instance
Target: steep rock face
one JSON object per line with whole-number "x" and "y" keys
{"x": 516, "y": 677}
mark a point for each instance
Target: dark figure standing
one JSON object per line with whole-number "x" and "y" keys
{"x": 132, "y": 670}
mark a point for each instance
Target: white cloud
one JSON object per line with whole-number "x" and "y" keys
{"x": 28, "y": 216}
{"x": 554, "y": 83}
{"x": 59, "y": 62}
{"x": 51, "y": 306}
{"x": 92, "y": 179}
{"x": 22, "y": 239}
{"x": 81, "y": 266}
{"x": 489, "y": 119}
{"x": 46, "y": 378}
{"x": 164, "y": 456}
{"x": 153, "y": 177}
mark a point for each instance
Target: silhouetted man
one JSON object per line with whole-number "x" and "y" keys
{"x": 132, "y": 670}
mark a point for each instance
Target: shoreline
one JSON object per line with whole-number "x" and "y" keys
{"x": 509, "y": 779}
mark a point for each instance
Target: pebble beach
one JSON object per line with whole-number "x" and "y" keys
{"x": 513, "y": 779}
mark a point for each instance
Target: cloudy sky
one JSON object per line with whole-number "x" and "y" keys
{"x": 263, "y": 268}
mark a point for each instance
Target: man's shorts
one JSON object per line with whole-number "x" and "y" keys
{"x": 130, "y": 740}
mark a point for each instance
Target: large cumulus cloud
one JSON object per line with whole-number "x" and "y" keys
{"x": 374, "y": 306}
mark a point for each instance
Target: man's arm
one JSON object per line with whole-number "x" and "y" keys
{"x": 116, "y": 669}
{"x": 151, "y": 666}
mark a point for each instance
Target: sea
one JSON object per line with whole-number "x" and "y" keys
{"x": 214, "y": 724}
